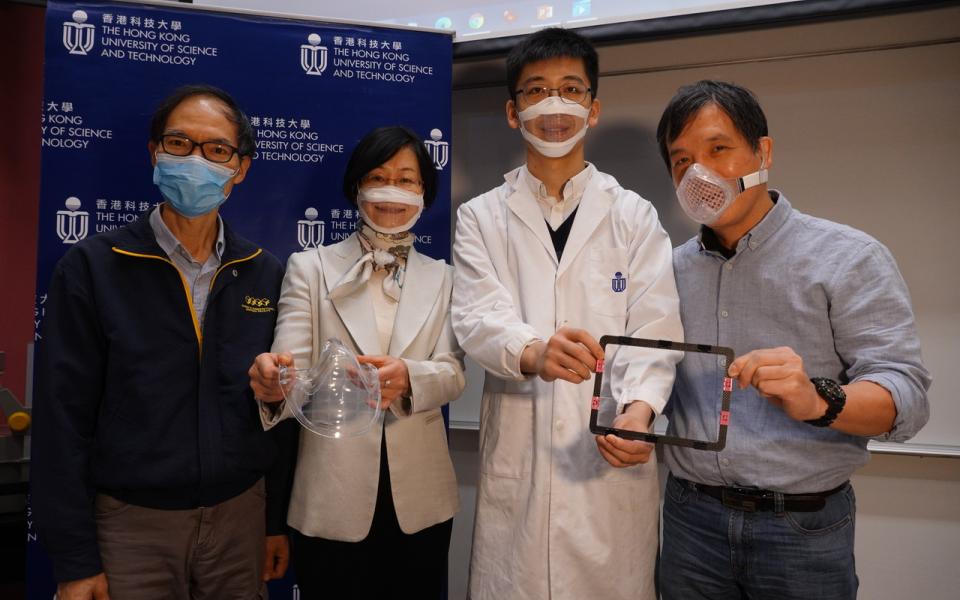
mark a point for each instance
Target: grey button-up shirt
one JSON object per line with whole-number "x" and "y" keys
{"x": 197, "y": 276}
{"x": 830, "y": 292}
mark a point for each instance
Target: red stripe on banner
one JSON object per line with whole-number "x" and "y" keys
{"x": 595, "y": 403}
{"x": 600, "y": 366}
{"x": 727, "y": 384}
{"x": 724, "y": 417}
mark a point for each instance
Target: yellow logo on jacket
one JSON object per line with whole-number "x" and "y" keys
{"x": 256, "y": 305}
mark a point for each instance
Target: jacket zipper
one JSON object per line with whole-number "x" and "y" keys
{"x": 186, "y": 286}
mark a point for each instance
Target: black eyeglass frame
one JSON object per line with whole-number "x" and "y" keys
{"x": 586, "y": 92}
{"x": 234, "y": 151}
{"x": 653, "y": 438}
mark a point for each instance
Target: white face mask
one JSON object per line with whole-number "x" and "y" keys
{"x": 705, "y": 195}
{"x": 393, "y": 195}
{"x": 553, "y": 106}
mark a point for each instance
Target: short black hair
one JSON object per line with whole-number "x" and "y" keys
{"x": 379, "y": 146}
{"x": 740, "y": 104}
{"x": 245, "y": 142}
{"x": 552, "y": 42}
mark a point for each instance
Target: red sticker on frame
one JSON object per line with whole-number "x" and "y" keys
{"x": 595, "y": 403}
{"x": 724, "y": 417}
{"x": 599, "y": 368}
{"x": 727, "y": 384}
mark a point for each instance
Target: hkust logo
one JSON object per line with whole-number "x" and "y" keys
{"x": 438, "y": 149}
{"x": 313, "y": 56}
{"x": 256, "y": 305}
{"x": 619, "y": 282}
{"x": 310, "y": 230}
{"x": 78, "y": 35}
{"x": 72, "y": 223}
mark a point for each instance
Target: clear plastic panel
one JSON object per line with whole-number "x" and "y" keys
{"x": 337, "y": 397}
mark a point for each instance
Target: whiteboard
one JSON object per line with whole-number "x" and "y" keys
{"x": 483, "y": 19}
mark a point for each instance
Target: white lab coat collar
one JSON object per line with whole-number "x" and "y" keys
{"x": 557, "y": 210}
{"x": 594, "y": 206}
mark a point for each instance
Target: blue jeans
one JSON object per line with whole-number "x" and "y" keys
{"x": 718, "y": 553}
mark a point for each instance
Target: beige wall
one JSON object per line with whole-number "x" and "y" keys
{"x": 865, "y": 115}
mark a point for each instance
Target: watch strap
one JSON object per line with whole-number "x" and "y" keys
{"x": 835, "y": 398}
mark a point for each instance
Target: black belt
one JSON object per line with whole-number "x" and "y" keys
{"x": 751, "y": 500}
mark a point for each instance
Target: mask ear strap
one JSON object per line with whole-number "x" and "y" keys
{"x": 753, "y": 179}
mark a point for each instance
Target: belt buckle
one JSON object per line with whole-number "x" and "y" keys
{"x": 732, "y": 499}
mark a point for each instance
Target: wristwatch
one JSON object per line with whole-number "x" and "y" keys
{"x": 836, "y": 398}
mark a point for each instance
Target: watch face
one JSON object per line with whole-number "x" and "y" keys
{"x": 829, "y": 389}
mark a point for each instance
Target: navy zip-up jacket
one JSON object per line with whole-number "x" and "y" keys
{"x": 132, "y": 399}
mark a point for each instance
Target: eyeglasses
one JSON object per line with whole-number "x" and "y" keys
{"x": 571, "y": 93}
{"x": 406, "y": 182}
{"x": 181, "y": 145}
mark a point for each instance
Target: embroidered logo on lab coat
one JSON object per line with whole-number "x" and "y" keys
{"x": 619, "y": 282}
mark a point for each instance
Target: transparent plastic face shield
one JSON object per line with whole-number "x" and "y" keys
{"x": 603, "y": 407}
{"x": 337, "y": 397}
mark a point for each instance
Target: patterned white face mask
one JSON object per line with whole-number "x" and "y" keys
{"x": 704, "y": 195}
{"x": 553, "y": 106}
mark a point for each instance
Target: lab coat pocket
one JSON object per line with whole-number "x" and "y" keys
{"x": 608, "y": 281}
{"x": 506, "y": 439}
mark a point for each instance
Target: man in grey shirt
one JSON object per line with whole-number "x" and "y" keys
{"x": 829, "y": 358}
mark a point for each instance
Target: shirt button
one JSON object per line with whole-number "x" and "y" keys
{"x": 724, "y": 314}
{"x": 728, "y": 266}
{"x": 559, "y": 425}
{"x": 725, "y": 462}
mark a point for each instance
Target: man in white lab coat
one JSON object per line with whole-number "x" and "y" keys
{"x": 546, "y": 263}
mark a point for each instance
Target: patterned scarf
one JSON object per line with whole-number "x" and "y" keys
{"x": 381, "y": 251}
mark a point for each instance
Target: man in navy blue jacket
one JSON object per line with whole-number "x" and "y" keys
{"x": 148, "y": 456}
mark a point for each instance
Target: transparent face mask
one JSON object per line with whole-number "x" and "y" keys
{"x": 337, "y": 397}
{"x": 556, "y": 120}
{"x": 704, "y": 195}
{"x": 390, "y": 209}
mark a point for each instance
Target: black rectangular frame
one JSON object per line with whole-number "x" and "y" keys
{"x": 723, "y": 417}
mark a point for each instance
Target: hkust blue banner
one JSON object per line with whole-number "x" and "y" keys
{"x": 312, "y": 89}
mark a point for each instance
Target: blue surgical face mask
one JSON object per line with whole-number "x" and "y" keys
{"x": 191, "y": 184}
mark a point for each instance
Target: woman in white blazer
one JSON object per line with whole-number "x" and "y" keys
{"x": 371, "y": 515}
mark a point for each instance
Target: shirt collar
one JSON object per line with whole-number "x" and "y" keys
{"x": 572, "y": 189}
{"x": 761, "y": 232}
{"x": 169, "y": 242}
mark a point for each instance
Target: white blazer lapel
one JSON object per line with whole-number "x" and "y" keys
{"x": 356, "y": 309}
{"x": 593, "y": 208}
{"x": 422, "y": 285}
